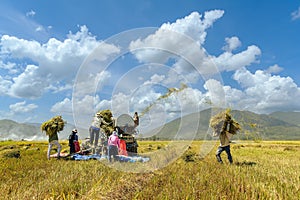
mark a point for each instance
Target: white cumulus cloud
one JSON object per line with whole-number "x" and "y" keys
{"x": 22, "y": 107}
{"x": 29, "y": 84}
{"x": 4, "y": 86}
{"x": 183, "y": 40}
{"x": 296, "y": 14}
{"x": 228, "y": 61}
{"x": 274, "y": 69}
{"x": 53, "y": 63}
{"x": 180, "y": 43}
{"x": 232, "y": 43}
{"x": 30, "y": 13}
{"x": 64, "y": 106}
{"x": 264, "y": 93}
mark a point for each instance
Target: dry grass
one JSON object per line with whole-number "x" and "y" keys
{"x": 265, "y": 170}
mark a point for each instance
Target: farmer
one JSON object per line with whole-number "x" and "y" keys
{"x": 136, "y": 119}
{"x": 95, "y": 129}
{"x": 53, "y": 140}
{"x": 224, "y": 146}
{"x": 113, "y": 146}
{"x": 73, "y": 140}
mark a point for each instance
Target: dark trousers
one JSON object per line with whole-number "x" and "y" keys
{"x": 72, "y": 148}
{"x": 94, "y": 136}
{"x": 227, "y": 150}
{"x": 112, "y": 151}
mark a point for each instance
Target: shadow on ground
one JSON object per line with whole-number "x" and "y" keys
{"x": 245, "y": 163}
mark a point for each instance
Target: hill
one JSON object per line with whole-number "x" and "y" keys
{"x": 290, "y": 117}
{"x": 276, "y": 126}
{"x": 254, "y": 126}
{"x": 11, "y": 130}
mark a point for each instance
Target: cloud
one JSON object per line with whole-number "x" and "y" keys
{"x": 4, "y": 86}
{"x": 296, "y": 14}
{"x": 261, "y": 93}
{"x": 29, "y": 84}
{"x": 228, "y": 61}
{"x": 11, "y": 67}
{"x": 91, "y": 83}
{"x": 31, "y": 13}
{"x": 19, "y": 23}
{"x": 274, "y": 69}
{"x": 64, "y": 106}
{"x": 80, "y": 109}
{"x": 39, "y": 28}
{"x": 162, "y": 110}
{"x": 55, "y": 62}
{"x": 232, "y": 43}
{"x": 193, "y": 26}
{"x": 182, "y": 42}
{"x": 264, "y": 93}
{"x": 155, "y": 79}
{"x": 215, "y": 92}
{"x": 246, "y": 79}
{"x": 22, "y": 107}
{"x": 60, "y": 88}
{"x": 35, "y": 68}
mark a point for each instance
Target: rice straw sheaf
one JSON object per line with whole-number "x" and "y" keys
{"x": 107, "y": 116}
{"x": 54, "y": 125}
{"x": 222, "y": 122}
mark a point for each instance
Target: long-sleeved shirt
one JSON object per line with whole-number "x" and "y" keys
{"x": 114, "y": 140}
{"x": 53, "y": 137}
{"x": 96, "y": 122}
{"x": 225, "y": 139}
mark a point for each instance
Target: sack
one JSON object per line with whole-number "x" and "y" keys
{"x": 77, "y": 146}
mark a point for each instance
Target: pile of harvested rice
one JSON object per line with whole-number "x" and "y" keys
{"x": 108, "y": 118}
{"x": 54, "y": 125}
{"x": 223, "y": 122}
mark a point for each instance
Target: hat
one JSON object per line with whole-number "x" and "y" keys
{"x": 115, "y": 133}
{"x": 74, "y": 130}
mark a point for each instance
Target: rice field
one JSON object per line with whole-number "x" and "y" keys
{"x": 261, "y": 170}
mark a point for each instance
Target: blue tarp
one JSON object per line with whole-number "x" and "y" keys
{"x": 85, "y": 157}
{"x": 132, "y": 158}
{"x": 121, "y": 158}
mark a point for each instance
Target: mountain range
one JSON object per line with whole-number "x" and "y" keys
{"x": 274, "y": 126}
{"x": 11, "y": 130}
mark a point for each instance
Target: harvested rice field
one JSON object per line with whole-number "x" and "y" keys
{"x": 261, "y": 170}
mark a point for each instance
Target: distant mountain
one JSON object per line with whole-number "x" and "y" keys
{"x": 290, "y": 117}
{"x": 264, "y": 127}
{"x": 11, "y": 130}
{"x": 276, "y": 126}
{"x": 268, "y": 127}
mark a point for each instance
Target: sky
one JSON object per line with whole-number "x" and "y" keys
{"x": 73, "y": 58}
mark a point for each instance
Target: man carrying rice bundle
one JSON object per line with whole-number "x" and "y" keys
{"x": 224, "y": 127}
{"x": 52, "y": 127}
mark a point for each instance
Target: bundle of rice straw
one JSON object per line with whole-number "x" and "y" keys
{"x": 108, "y": 118}
{"x": 54, "y": 125}
{"x": 223, "y": 122}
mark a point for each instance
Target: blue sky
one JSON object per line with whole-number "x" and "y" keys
{"x": 243, "y": 55}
